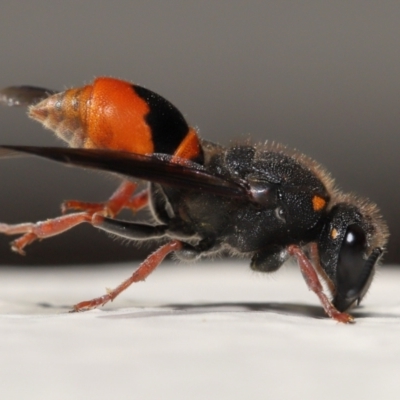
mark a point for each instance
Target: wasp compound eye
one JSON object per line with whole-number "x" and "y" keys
{"x": 354, "y": 271}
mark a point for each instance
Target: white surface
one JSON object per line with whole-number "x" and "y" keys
{"x": 204, "y": 331}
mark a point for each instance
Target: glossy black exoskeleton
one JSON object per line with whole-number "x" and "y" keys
{"x": 263, "y": 202}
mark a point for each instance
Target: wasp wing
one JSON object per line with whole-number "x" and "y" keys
{"x": 154, "y": 168}
{"x": 23, "y": 95}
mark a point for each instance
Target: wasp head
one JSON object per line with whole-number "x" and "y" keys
{"x": 352, "y": 241}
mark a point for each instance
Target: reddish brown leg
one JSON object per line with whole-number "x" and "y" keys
{"x": 42, "y": 229}
{"x": 138, "y": 201}
{"x": 144, "y": 270}
{"x": 313, "y": 283}
{"x": 120, "y": 199}
{"x": 314, "y": 255}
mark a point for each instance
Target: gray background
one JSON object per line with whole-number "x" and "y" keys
{"x": 319, "y": 76}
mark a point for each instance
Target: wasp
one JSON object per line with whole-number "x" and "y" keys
{"x": 263, "y": 202}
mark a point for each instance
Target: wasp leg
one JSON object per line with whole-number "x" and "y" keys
{"x": 144, "y": 270}
{"x": 313, "y": 283}
{"x": 314, "y": 256}
{"x": 206, "y": 246}
{"x": 138, "y": 201}
{"x": 135, "y": 231}
{"x": 269, "y": 259}
{"x": 120, "y": 199}
{"x": 129, "y": 230}
{"x": 42, "y": 229}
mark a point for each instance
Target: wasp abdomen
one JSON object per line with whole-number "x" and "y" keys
{"x": 116, "y": 115}
{"x": 65, "y": 113}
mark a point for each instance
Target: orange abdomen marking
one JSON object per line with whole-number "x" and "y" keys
{"x": 116, "y": 115}
{"x": 116, "y": 118}
{"x": 190, "y": 147}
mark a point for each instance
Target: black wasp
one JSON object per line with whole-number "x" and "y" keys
{"x": 263, "y": 202}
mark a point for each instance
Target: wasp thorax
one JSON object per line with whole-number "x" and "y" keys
{"x": 66, "y": 114}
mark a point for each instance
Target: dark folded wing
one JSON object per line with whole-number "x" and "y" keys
{"x": 149, "y": 168}
{"x": 23, "y": 95}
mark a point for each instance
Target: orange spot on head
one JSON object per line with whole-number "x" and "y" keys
{"x": 334, "y": 233}
{"x": 318, "y": 203}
